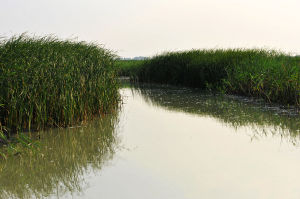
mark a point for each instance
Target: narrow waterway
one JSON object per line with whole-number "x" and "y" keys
{"x": 166, "y": 143}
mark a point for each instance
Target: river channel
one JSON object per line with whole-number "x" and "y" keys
{"x": 166, "y": 143}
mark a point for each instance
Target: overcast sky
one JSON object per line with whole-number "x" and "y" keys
{"x": 147, "y": 27}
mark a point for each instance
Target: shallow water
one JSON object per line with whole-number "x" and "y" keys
{"x": 166, "y": 142}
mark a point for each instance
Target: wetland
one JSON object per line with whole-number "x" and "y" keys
{"x": 165, "y": 142}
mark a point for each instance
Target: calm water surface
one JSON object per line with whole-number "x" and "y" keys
{"x": 166, "y": 143}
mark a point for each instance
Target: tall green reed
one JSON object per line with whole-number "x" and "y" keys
{"x": 269, "y": 74}
{"x": 50, "y": 82}
{"x": 128, "y": 67}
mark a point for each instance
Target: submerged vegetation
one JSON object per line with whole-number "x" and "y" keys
{"x": 271, "y": 75}
{"x": 47, "y": 82}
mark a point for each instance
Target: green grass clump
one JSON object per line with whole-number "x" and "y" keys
{"x": 48, "y": 82}
{"x": 271, "y": 75}
{"x": 128, "y": 67}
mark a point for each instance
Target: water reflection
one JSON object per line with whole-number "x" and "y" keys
{"x": 263, "y": 119}
{"x": 168, "y": 155}
{"x": 62, "y": 160}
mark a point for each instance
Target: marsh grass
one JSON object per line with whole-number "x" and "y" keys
{"x": 268, "y": 74}
{"x": 128, "y": 67}
{"x": 47, "y": 82}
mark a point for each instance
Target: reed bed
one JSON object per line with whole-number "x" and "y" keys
{"x": 268, "y": 74}
{"x": 128, "y": 67}
{"x": 48, "y": 82}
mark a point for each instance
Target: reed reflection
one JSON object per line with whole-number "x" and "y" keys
{"x": 263, "y": 119}
{"x": 59, "y": 165}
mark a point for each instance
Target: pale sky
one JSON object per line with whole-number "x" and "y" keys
{"x": 148, "y": 27}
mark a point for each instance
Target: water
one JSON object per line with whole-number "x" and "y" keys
{"x": 165, "y": 143}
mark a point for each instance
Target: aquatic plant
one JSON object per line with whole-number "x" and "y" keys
{"x": 48, "y": 82}
{"x": 268, "y": 74}
{"x": 128, "y": 67}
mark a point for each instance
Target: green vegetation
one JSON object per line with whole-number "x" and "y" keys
{"x": 128, "y": 67}
{"x": 271, "y": 75}
{"x": 47, "y": 82}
